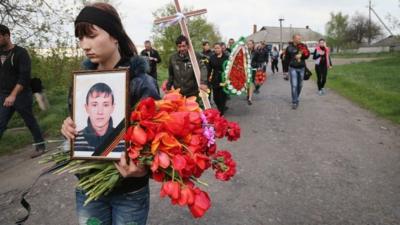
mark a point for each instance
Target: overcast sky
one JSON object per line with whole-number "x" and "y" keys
{"x": 235, "y": 18}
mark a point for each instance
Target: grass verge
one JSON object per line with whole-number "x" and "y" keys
{"x": 373, "y": 85}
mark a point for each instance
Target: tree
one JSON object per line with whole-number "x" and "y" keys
{"x": 358, "y": 29}
{"x": 41, "y": 23}
{"x": 34, "y": 22}
{"x": 336, "y": 30}
{"x": 394, "y": 22}
{"x": 199, "y": 29}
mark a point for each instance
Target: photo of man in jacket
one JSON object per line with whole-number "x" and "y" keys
{"x": 99, "y": 107}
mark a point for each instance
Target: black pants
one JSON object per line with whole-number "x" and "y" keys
{"x": 23, "y": 105}
{"x": 274, "y": 65}
{"x": 220, "y": 98}
{"x": 322, "y": 72}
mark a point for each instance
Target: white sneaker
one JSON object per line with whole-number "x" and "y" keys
{"x": 323, "y": 91}
{"x": 320, "y": 93}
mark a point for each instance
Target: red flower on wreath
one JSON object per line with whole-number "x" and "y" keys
{"x": 237, "y": 74}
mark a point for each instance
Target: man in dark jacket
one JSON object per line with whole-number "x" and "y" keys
{"x": 261, "y": 56}
{"x": 180, "y": 71}
{"x": 15, "y": 92}
{"x": 216, "y": 69}
{"x": 152, "y": 57}
{"x": 207, "y": 52}
{"x": 260, "y": 60}
{"x": 296, "y": 54}
{"x": 205, "y": 57}
{"x": 231, "y": 42}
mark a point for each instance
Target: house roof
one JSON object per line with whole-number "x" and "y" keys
{"x": 272, "y": 34}
{"x": 389, "y": 41}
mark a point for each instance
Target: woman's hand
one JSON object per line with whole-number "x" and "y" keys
{"x": 129, "y": 168}
{"x": 68, "y": 129}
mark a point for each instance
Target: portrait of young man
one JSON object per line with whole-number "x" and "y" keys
{"x": 100, "y": 131}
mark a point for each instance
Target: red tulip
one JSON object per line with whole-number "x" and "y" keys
{"x": 186, "y": 197}
{"x": 164, "y": 159}
{"x": 146, "y": 108}
{"x": 178, "y": 124}
{"x": 158, "y": 176}
{"x": 171, "y": 189}
{"x": 201, "y": 203}
{"x": 161, "y": 159}
{"x": 202, "y": 161}
{"x": 178, "y": 162}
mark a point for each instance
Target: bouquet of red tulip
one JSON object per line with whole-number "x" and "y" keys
{"x": 302, "y": 52}
{"x": 260, "y": 77}
{"x": 177, "y": 140}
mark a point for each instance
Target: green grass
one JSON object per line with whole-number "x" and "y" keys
{"x": 162, "y": 74}
{"x": 362, "y": 55}
{"x": 373, "y": 85}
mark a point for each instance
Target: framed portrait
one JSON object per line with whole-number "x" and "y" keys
{"x": 100, "y": 108}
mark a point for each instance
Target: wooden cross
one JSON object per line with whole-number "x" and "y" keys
{"x": 192, "y": 54}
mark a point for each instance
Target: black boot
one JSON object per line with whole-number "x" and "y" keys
{"x": 39, "y": 150}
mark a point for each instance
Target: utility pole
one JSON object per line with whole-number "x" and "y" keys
{"x": 370, "y": 9}
{"x": 281, "y": 43}
{"x": 369, "y": 23}
{"x": 380, "y": 20}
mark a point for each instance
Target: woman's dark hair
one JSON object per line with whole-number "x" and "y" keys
{"x": 4, "y": 30}
{"x": 180, "y": 39}
{"x": 321, "y": 39}
{"x": 126, "y": 47}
